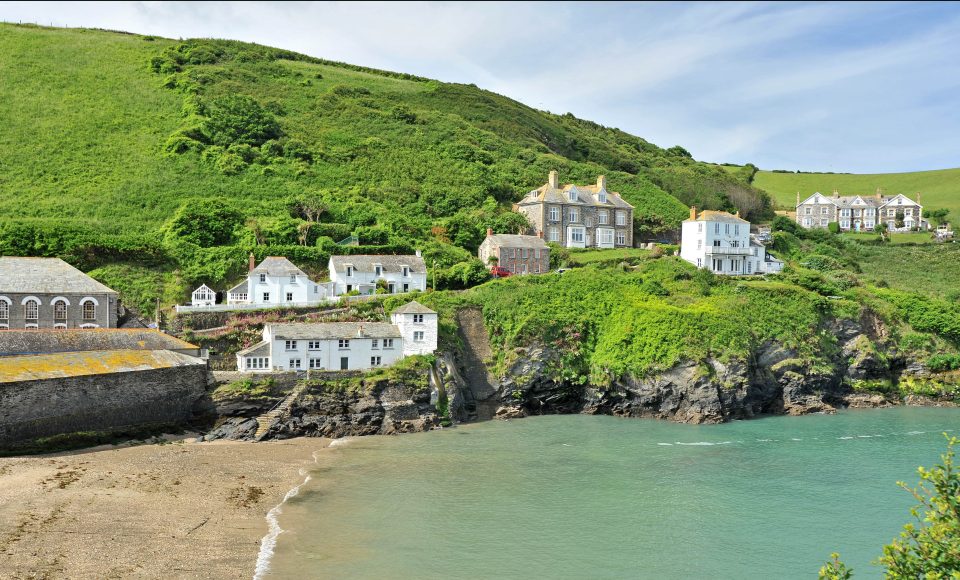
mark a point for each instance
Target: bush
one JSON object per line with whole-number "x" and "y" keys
{"x": 944, "y": 362}
{"x": 833, "y": 227}
{"x": 205, "y": 222}
{"x": 239, "y": 119}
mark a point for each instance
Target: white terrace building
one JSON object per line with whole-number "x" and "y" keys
{"x": 277, "y": 282}
{"x": 361, "y": 272}
{"x": 343, "y": 345}
{"x": 721, "y": 243}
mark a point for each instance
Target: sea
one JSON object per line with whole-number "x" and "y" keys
{"x": 574, "y": 496}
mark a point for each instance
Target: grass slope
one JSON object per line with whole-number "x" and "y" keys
{"x": 938, "y": 189}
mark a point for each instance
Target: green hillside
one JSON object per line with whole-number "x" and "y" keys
{"x": 938, "y": 189}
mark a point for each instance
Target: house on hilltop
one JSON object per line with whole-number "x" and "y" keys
{"x": 50, "y": 293}
{"x": 361, "y": 273}
{"x": 579, "y": 216}
{"x": 860, "y": 212}
{"x": 721, "y": 242}
{"x": 516, "y": 254}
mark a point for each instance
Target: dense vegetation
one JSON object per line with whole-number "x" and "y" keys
{"x": 110, "y": 141}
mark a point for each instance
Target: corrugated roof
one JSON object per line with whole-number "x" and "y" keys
{"x": 413, "y": 308}
{"x": 45, "y": 276}
{"x": 514, "y": 241}
{"x": 277, "y": 266}
{"x": 325, "y": 330}
{"x": 23, "y": 342}
{"x": 366, "y": 262}
{"x": 77, "y": 364}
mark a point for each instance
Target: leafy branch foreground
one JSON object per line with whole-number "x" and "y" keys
{"x": 929, "y": 549}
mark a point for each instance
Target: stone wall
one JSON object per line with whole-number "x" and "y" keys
{"x": 41, "y": 408}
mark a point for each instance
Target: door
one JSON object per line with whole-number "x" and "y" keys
{"x": 344, "y": 363}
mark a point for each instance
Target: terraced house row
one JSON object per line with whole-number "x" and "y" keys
{"x": 861, "y": 212}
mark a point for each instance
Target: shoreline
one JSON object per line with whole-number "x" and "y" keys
{"x": 181, "y": 509}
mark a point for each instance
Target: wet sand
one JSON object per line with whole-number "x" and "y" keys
{"x": 174, "y": 510}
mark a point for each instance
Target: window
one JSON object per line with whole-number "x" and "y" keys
{"x": 573, "y": 216}
{"x": 89, "y": 310}
{"x": 621, "y": 218}
{"x": 908, "y": 212}
{"x": 418, "y": 318}
{"x": 388, "y": 343}
{"x": 845, "y": 224}
{"x": 316, "y": 363}
{"x": 573, "y": 195}
{"x": 891, "y": 212}
{"x": 374, "y": 361}
{"x": 824, "y": 222}
{"x": 716, "y": 228}
{"x": 870, "y": 212}
{"x": 294, "y": 363}
{"x": 266, "y": 297}
{"x": 824, "y": 210}
{"x": 621, "y": 238}
{"x": 868, "y": 224}
{"x": 554, "y": 214}
{"x": 807, "y": 210}
{"x": 349, "y": 271}
{"x": 602, "y": 218}
{"x": 378, "y": 270}
{"x": 31, "y": 310}
{"x": 60, "y": 310}
{"x": 313, "y": 345}
{"x": 602, "y": 197}
{"x": 857, "y": 213}
{"x": 576, "y": 235}
{"x": 418, "y": 336}
{"x": 716, "y": 243}
{"x": 717, "y": 265}
{"x": 554, "y": 234}
{"x": 588, "y": 221}
{"x": 293, "y": 278}
{"x": 289, "y": 296}
{"x": 254, "y": 363}
{"x": 406, "y": 287}
{"x": 845, "y": 212}
{"x": 699, "y": 262}
{"x": 405, "y": 271}
{"x": 699, "y": 244}
{"x": 525, "y": 255}
{"x": 290, "y": 345}
{"x": 726, "y": 228}
{"x": 344, "y": 343}
{"x": 806, "y": 222}
{"x": 749, "y": 267}
{"x": 536, "y": 267}
{"x": 4, "y": 309}
{"x": 375, "y": 343}
{"x": 736, "y": 230}
{"x": 263, "y": 278}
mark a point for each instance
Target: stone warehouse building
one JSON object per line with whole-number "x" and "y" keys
{"x": 517, "y": 254}
{"x": 860, "y": 212}
{"x": 579, "y": 216}
{"x": 50, "y": 293}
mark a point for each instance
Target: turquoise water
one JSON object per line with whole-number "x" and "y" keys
{"x": 601, "y": 497}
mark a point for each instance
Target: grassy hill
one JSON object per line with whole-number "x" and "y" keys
{"x": 938, "y": 189}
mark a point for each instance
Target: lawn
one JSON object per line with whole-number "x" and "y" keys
{"x": 584, "y": 257}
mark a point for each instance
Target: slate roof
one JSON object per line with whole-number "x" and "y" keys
{"x": 23, "y": 342}
{"x": 327, "y": 330}
{"x": 514, "y": 241}
{"x": 847, "y": 201}
{"x": 586, "y": 195}
{"x": 259, "y": 349}
{"x": 413, "y": 308}
{"x": 76, "y": 364}
{"x": 45, "y": 276}
{"x": 277, "y": 266}
{"x": 709, "y": 215}
{"x": 365, "y": 263}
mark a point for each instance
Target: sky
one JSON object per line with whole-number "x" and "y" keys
{"x": 842, "y": 86}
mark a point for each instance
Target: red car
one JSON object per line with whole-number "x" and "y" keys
{"x": 498, "y": 272}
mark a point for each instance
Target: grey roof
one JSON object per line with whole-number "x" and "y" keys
{"x": 323, "y": 330}
{"x": 365, "y": 263}
{"x": 586, "y": 195}
{"x": 75, "y": 364}
{"x": 277, "y": 266}
{"x": 709, "y": 215}
{"x": 847, "y": 201}
{"x": 413, "y": 308}
{"x": 45, "y": 276}
{"x": 259, "y": 349}
{"x": 514, "y": 241}
{"x": 23, "y": 342}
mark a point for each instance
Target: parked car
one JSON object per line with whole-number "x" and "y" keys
{"x": 498, "y": 272}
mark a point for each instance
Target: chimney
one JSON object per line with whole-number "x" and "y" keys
{"x": 918, "y": 198}
{"x": 360, "y": 331}
{"x": 601, "y": 182}
{"x": 836, "y": 193}
{"x": 489, "y": 232}
{"x": 253, "y": 262}
{"x": 738, "y": 213}
{"x": 798, "y": 198}
{"x": 693, "y": 212}
{"x": 553, "y": 182}
{"x": 418, "y": 254}
{"x": 540, "y": 234}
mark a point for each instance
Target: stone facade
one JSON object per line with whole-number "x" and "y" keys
{"x": 860, "y": 212}
{"x": 517, "y": 254}
{"x": 579, "y": 216}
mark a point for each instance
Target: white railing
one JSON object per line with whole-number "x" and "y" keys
{"x": 726, "y": 250}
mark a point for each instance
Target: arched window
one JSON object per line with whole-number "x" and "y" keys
{"x": 60, "y": 310}
{"x": 89, "y": 308}
{"x": 4, "y": 308}
{"x": 31, "y": 310}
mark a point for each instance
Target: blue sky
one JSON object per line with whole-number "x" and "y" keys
{"x": 857, "y": 87}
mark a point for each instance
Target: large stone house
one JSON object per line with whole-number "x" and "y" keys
{"x": 50, "y": 293}
{"x": 343, "y": 345}
{"x": 277, "y": 282}
{"x": 579, "y": 216}
{"x": 516, "y": 254}
{"x": 721, "y": 242}
{"x": 860, "y": 212}
{"x": 361, "y": 273}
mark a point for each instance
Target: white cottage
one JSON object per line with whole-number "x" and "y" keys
{"x": 277, "y": 282}
{"x": 721, "y": 243}
{"x": 204, "y": 296}
{"x": 343, "y": 345}
{"x": 361, "y": 272}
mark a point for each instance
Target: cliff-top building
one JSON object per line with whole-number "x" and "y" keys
{"x": 516, "y": 254}
{"x": 579, "y": 216}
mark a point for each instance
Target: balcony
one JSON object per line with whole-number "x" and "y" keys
{"x": 728, "y": 251}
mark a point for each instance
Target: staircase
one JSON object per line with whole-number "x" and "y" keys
{"x": 279, "y": 411}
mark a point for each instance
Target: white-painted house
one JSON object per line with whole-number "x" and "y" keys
{"x": 203, "y": 296}
{"x": 343, "y": 345}
{"x": 721, "y": 243}
{"x": 360, "y": 273}
{"x": 277, "y": 282}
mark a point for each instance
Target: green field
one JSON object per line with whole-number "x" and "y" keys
{"x": 932, "y": 269}
{"x": 938, "y": 189}
{"x": 584, "y": 257}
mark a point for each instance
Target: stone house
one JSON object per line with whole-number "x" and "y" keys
{"x": 277, "y": 282}
{"x": 860, "y": 212}
{"x": 579, "y": 216}
{"x": 361, "y": 273}
{"x": 721, "y": 242}
{"x": 50, "y": 293}
{"x": 343, "y": 345}
{"x": 517, "y": 254}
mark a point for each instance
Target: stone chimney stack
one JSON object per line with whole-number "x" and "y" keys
{"x": 554, "y": 181}
{"x": 419, "y": 255}
{"x": 540, "y": 234}
{"x": 601, "y": 182}
{"x": 738, "y": 213}
{"x": 798, "y": 198}
{"x": 253, "y": 262}
{"x": 836, "y": 194}
{"x": 693, "y": 212}
{"x": 489, "y": 232}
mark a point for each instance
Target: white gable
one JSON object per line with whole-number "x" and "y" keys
{"x": 817, "y": 198}
{"x": 900, "y": 199}
{"x": 858, "y": 201}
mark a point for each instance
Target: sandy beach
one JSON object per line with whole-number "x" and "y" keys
{"x": 175, "y": 510}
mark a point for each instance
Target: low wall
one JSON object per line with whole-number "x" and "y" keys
{"x": 41, "y": 408}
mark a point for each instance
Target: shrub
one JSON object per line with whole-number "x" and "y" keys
{"x": 944, "y": 362}
{"x": 240, "y": 119}
{"x": 205, "y": 222}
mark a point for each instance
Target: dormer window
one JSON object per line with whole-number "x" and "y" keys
{"x": 349, "y": 271}
{"x": 293, "y": 278}
{"x": 405, "y": 271}
{"x": 377, "y": 270}
{"x": 263, "y": 278}
{"x": 602, "y": 196}
{"x": 573, "y": 195}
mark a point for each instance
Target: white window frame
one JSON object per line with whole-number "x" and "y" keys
{"x": 602, "y": 218}
{"x": 266, "y": 297}
{"x": 35, "y": 304}
{"x": 60, "y": 302}
{"x": 554, "y": 213}
{"x": 349, "y": 273}
{"x": 418, "y": 336}
{"x": 295, "y": 364}
{"x": 315, "y": 363}
{"x": 553, "y": 234}
{"x": 4, "y": 308}
{"x": 314, "y": 345}
{"x": 343, "y": 344}
{"x": 622, "y": 238}
{"x": 263, "y": 278}
{"x": 375, "y": 343}
{"x": 418, "y": 318}
{"x": 387, "y": 343}
{"x": 289, "y": 345}
{"x": 573, "y": 215}
{"x": 621, "y": 218}
{"x": 375, "y": 361}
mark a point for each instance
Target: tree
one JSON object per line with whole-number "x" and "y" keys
{"x": 834, "y": 569}
{"x": 937, "y": 216}
{"x": 205, "y": 222}
{"x": 240, "y": 119}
